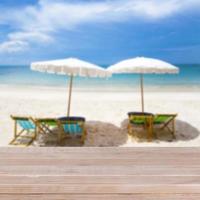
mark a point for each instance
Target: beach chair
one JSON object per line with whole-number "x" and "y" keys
{"x": 45, "y": 125}
{"x": 141, "y": 119}
{"x": 150, "y": 121}
{"x": 165, "y": 121}
{"x": 71, "y": 126}
{"x": 27, "y": 130}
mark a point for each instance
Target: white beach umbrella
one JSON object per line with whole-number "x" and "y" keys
{"x": 71, "y": 67}
{"x": 142, "y": 65}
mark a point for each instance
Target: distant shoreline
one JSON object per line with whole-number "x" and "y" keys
{"x": 187, "y": 80}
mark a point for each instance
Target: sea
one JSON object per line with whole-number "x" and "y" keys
{"x": 21, "y": 75}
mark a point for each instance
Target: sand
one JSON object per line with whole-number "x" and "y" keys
{"x": 105, "y": 112}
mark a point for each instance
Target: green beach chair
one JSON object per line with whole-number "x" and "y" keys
{"x": 45, "y": 125}
{"x": 150, "y": 121}
{"x": 140, "y": 119}
{"x": 71, "y": 126}
{"x": 165, "y": 121}
{"x": 27, "y": 130}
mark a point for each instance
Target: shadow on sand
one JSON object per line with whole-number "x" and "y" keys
{"x": 184, "y": 132}
{"x": 104, "y": 134}
{"x": 99, "y": 134}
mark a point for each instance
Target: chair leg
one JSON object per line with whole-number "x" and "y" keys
{"x": 84, "y": 135}
{"x": 173, "y": 129}
{"x": 172, "y": 120}
{"x": 59, "y": 137}
{"x": 35, "y": 132}
{"x": 41, "y": 128}
{"x": 46, "y": 129}
{"x": 15, "y": 129}
{"x": 149, "y": 127}
{"x": 150, "y": 132}
{"x": 130, "y": 130}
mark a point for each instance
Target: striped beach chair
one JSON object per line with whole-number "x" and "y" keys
{"x": 70, "y": 127}
{"x": 24, "y": 129}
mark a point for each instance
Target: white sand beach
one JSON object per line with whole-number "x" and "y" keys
{"x": 105, "y": 112}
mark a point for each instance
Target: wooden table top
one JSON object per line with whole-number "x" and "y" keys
{"x": 100, "y": 173}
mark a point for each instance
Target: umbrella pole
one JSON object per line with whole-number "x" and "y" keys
{"x": 142, "y": 91}
{"x": 70, "y": 95}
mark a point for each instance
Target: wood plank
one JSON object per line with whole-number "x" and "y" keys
{"x": 110, "y": 151}
{"x": 121, "y": 179}
{"x": 32, "y": 161}
{"x": 100, "y": 173}
{"x": 100, "y": 170}
{"x": 99, "y": 189}
{"x": 101, "y": 197}
{"x": 137, "y": 155}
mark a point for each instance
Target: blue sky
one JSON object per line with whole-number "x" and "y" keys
{"x": 103, "y": 31}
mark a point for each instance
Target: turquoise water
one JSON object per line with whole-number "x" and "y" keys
{"x": 189, "y": 76}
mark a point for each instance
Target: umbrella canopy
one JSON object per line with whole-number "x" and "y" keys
{"x": 71, "y": 67}
{"x": 142, "y": 65}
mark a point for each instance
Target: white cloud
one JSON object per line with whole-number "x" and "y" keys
{"x": 38, "y": 23}
{"x": 13, "y": 46}
{"x": 154, "y": 9}
{"x": 30, "y": 36}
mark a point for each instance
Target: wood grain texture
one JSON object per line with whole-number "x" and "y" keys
{"x": 100, "y": 173}
{"x": 102, "y": 197}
